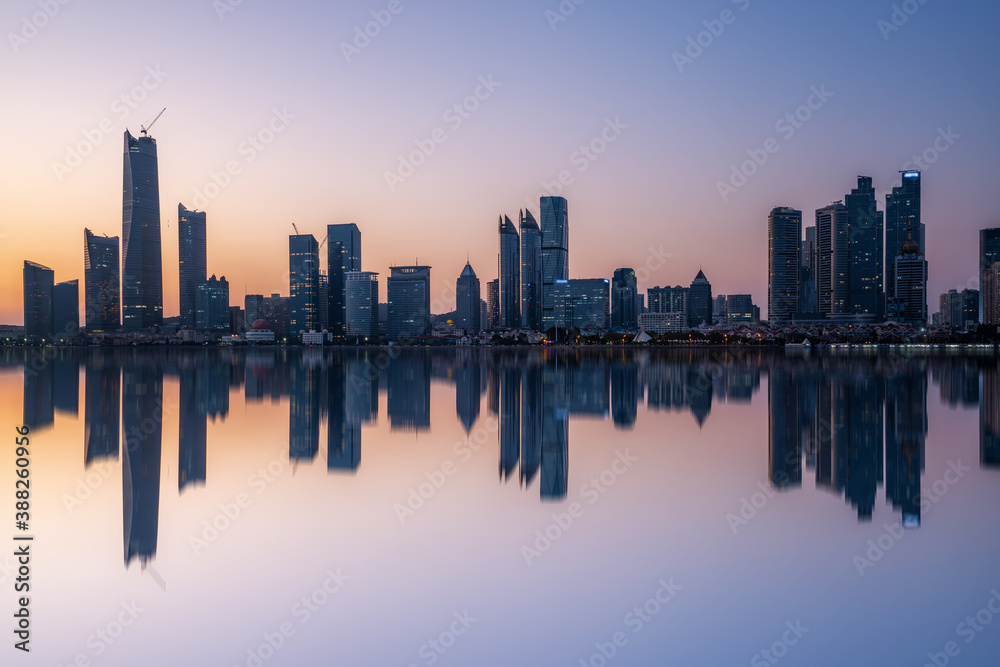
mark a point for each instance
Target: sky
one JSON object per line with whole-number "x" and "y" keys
{"x": 289, "y": 113}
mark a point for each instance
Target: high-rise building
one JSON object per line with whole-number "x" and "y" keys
{"x": 277, "y": 313}
{"x": 989, "y": 254}
{"x": 667, "y": 300}
{"x": 409, "y": 293}
{"x": 142, "y": 271}
{"x": 361, "y": 303}
{"x": 493, "y": 305}
{"x": 740, "y": 310}
{"x": 66, "y": 308}
{"x": 467, "y": 299}
{"x": 902, "y": 218}
{"x": 303, "y": 279}
{"x": 253, "y": 307}
{"x": 990, "y": 292}
{"x": 699, "y": 305}
{"x": 910, "y": 286}
{"x": 582, "y": 303}
{"x": 865, "y": 223}
{"x": 624, "y": 299}
{"x": 509, "y": 268}
{"x": 555, "y": 252}
{"x": 212, "y": 305}
{"x": 531, "y": 272}
{"x": 959, "y": 309}
{"x": 833, "y": 260}
{"x": 807, "y": 272}
{"x": 192, "y": 259}
{"x": 38, "y": 283}
{"x": 784, "y": 235}
{"x": 343, "y": 255}
{"x": 101, "y": 293}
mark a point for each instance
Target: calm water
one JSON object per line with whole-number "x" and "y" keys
{"x": 284, "y": 507}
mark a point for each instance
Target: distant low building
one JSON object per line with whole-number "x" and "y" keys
{"x": 661, "y": 323}
{"x": 259, "y": 333}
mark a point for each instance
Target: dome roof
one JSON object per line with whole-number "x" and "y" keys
{"x": 259, "y": 325}
{"x": 910, "y": 247}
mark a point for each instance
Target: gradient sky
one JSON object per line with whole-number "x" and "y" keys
{"x": 655, "y": 186}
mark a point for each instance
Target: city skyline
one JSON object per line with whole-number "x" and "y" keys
{"x": 657, "y": 180}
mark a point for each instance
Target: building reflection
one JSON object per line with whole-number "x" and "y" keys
{"x": 102, "y": 408}
{"x": 142, "y": 428}
{"x": 989, "y": 418}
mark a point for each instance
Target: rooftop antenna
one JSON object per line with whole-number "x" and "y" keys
{"x": 146, "y": 128}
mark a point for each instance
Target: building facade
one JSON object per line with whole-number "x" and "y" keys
{"x": 509, "y": 270}
{"x": 361, "y": 303}
{"x": 531, "y": 272}
{"x": 303, "y": 281}
{"x": 699, "y": 304}
{"x": 192, "y": 261}
{"x": 101, "y": 293}
{"x": 409, "y": 301}
{"x": 784, "y": 248}
{"x": 142, "y": 270}
{"x": 212, "y": 305}
{"x": 865, "y": 232}
{"x": 582, "y": 303}
{"x": 66, "y": 308}
{"x": 555, "y": 252}
{"x": 343, "y": 255}
{"x": 833, "y": 261}
{"x": 624, "y": 299}
{"x": 989, "y": 254}
{"x": 38, "y": 284}
{"x": 911, "y": 285}
{"x": 467, "y": 302}
{"x": 902, "y": 214}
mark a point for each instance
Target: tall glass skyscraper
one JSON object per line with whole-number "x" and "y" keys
{"x": 467, "y": 302}
{"x": 192, "y": 261}
{"x": 38, "y": 283}
{"x": 989, "y": 254}
{"x": 101, "y": 294}
{"x": 409, "y": 294}
{"x": 911, "y": 284}
{"x": 833, "y": 265}
{"x": 343, "y": 255}
{"x": 142, "y": 273}
{"x": 699, "y": 304}
{"x": 361, "y": 303}
{"x": 509, "y": 266}
{"x": 902, "y": 213}
{"x": 865, "y": 251}
{"x": 555, "y": 252}
{"x": 303, "y": 281}
{"x": 531, "y": 272}
{"x": 784, "y": 235}
{"x": 624, "y": 299}
{"x": 66, "y": 308}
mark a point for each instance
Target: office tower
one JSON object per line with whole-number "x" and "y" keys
{"x": 807, "y": 272}
{"x": 493, "y": 305}
{"x": 276, "y": 313}
{"x": 303, "y": 279}
{"x": 989, "y": 254}
{"x": 253, "y": 308}
{"x": 555, "y": 252}
{"x": 667, "y": 300}
{"x": 66, "y": 308}
{"x": 142, "y": 274}
{"x": 467, "y": 300}
{"x": 409, "y": 293}
{"x": 323, "y": 303}
{"x": 990, "y": 291}
{"x": 833, "y": 261}
{"x": 865, "y": 251}
{"x": 509, "y": 268}
{"x": 739, "y": 310}
{"x": 969, "y": 300}
{"x": 101, "y": 293}
{"x": 784, "y": 234}
{"x": 237, "y": 321}
{"x": 699, "y": 305}
{"x": 192, "y": 257}
{"x": 142, "y": 396}
{"x": 581, "y": 303}
{"x": 102, "y": 403}
{"x": 531, "y": 272}
{"x": 902, "y": 218}
{"x": 910, "y": 286}
{"x": 212, "y": 305}
{"x": 38, "y": 285}
{"x": 361, "y": 303}
{"x": 624, "y": 299}
{"x": 343, "y": 255}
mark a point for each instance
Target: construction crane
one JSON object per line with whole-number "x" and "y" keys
{"x": 323, "y": 242}
{"x": 296, "y": 229}
{"x": 145, "y": 128}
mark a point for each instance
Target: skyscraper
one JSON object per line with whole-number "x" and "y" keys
{"x": 911, "y": 284}
{"x": 807, "y": 272}
{"x": 66, "y": 308}
{"x": 409, "y": 293}
{"x": 784, "y": 234}
{"x": 902, "y": 214}
{"x": 253, "y": 308}
{"x": 493, "y": 305}
{"x": 212, "y": 305}
{"x": 531, "y": 272}
{"x": 38, "y": 283}
{"x": 509, "y": 267}
{"x": 624, "y": 299}
{"x": 699, "y": 305}
{"x": 361, "y": 303}
{"x": 467, "y": 299}
{"x": 989, "y": 254}
{"x": 343, "y": 255}
{"x": 833, "y": 260}
{"x": 581, "y": 303}
{"x": 192, "y": 260}
{"x": 142, "y": 273}
{"x": 990, "y": 294}
{"x": 101, "y": 294}
{"x": 865, "y": 252}
{"x": 555, "y": 252}
{"x": 303, "y": 279}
